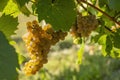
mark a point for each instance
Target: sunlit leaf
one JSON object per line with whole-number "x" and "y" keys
{"x": 22, "y": 7}
{"x": 80, "y": 52}
{"x": 8, "y": 25}
{"x": 11, "y": 9}
{"x": 102, "y": 41}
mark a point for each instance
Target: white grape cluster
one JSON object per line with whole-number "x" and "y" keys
{"x": 38, "y": 42}
{"x": 84, "y": 25}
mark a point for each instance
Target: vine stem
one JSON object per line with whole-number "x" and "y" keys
{"x": 111, "y": 18}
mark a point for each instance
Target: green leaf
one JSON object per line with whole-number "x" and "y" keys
{"x": 104, "y": 53}
{"x": 80, "y": 52}
{"x": 100, "y": 31}
{"x": 108, "y": 45}
{"x": 11, "y": 8}
{"x": 61, "y": 14}
{"x": 117, "y": 52}
{"x": 8, "y": 60}
{"x": 107, "y": 21}
{"x": 21, "y": 3}
{"x": 116, "y": 39}
{"x": 8, "y": 25}
{"x": 21, "y": 58}
{"x": 3, "y": 3}
{"x": 91, "y": 10}
{"x": 114, "y": 5}
{"x": 22, "y": 7}
{"x": 102, "y": 2}
{"x": 25, "y": 10}
{"x": 102, "y": 39}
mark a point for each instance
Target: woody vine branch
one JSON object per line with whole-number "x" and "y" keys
{"x": 104, "y": 13}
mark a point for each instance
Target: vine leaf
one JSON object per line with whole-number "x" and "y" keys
{"x": 116, "y": 39}
{"x": 22, "y": 7}
{"x": 115, "y": 53}
{"x": 107, "y": 22}
{"x": 114, "y": 5}
{"x": 61, "y": 14}
{"x": 11, "y": 9}
{"x": 3, "y": 3}
{"x": 100, "y": 31}
{"x": 102, "y": 2}
{"x": 102, "y": 41}
{"x": 8, "y": 60}
{"x": 81, "y": 51}
{"x": 25, "y": 11}
{"x": 21, "y": 3}
{"x": 8, "y": 25}
{"x": 109, "y": 45}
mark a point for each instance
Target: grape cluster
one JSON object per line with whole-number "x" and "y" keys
{"x": 38, "y": 42}
{"x": 84, "y": 25}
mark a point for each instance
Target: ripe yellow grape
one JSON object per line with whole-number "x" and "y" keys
{"x": 38, "y": 42}
{"x": 84, "y": 26}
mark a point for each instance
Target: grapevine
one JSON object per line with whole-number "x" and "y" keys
{"x": 77, "y": 17}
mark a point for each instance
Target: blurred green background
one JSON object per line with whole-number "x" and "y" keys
{"x": 62, "y": 60}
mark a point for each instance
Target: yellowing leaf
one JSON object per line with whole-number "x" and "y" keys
{"x": 12, "y": 9}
